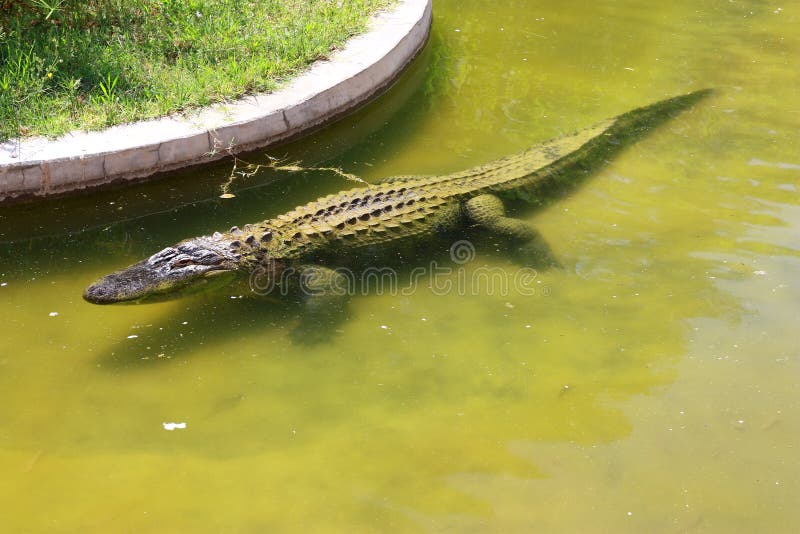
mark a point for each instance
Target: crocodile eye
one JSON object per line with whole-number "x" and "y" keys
{"x": 181, "y": 262}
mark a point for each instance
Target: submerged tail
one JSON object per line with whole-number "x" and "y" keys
{"x": 584, "y": 150}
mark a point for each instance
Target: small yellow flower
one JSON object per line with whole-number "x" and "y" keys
{"x": 49, "y": 75}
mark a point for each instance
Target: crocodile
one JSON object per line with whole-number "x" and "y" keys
{"x": 317, "y": 237}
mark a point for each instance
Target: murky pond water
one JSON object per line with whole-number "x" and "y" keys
{"x": 649, "y": 385}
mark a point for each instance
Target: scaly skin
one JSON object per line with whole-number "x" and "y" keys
{"x": 393, "y": 210}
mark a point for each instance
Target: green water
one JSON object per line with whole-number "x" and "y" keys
{"x": 648, "y": 386}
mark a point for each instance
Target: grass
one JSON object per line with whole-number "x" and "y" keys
{"x": 72, "y": 64}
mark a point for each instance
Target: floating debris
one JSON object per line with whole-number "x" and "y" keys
{"x": 174, "y": 426}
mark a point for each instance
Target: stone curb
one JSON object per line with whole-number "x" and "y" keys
{"x": 365, "y": 67}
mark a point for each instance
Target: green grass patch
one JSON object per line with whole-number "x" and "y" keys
{"x": 69, "y": 64}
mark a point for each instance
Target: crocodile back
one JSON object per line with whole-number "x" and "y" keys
{"x": 407, "y": 206}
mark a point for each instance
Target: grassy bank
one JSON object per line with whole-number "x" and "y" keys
{"x": 69, "y": 64}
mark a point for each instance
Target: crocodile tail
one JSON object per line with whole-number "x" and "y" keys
{"x": 560, "y": 161}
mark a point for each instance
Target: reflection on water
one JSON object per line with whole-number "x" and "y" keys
{"x": 649, "y": 385}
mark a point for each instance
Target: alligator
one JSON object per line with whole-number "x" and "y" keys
{"x": 314, "y": 239}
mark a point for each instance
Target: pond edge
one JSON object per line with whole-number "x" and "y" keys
{"x": 364, "y": 68}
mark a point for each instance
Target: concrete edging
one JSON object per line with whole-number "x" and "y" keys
{"x": 366, "y": 66}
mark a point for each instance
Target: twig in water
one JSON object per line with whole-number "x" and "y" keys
{"x": 250, "y": 169}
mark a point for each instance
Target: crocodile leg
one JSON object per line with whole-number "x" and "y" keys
{"x": 322, "y": 286}
{"x": 325, "y": 292}
{"x": 487, "y": 211}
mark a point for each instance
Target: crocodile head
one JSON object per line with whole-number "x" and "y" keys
{"x": 188, "y": 267}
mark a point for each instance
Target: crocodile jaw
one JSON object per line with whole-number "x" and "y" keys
{"x": 189, "y": 267}
{"x": 139, "y": 284}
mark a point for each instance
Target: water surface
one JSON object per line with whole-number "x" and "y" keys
{"x": 649, "y": 385}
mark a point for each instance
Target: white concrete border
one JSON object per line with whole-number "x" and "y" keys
{"x": 367, "y": 65}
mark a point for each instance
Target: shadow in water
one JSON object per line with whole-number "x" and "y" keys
{"x": 235, "y": 312}
{"x": 574, "y": 168}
